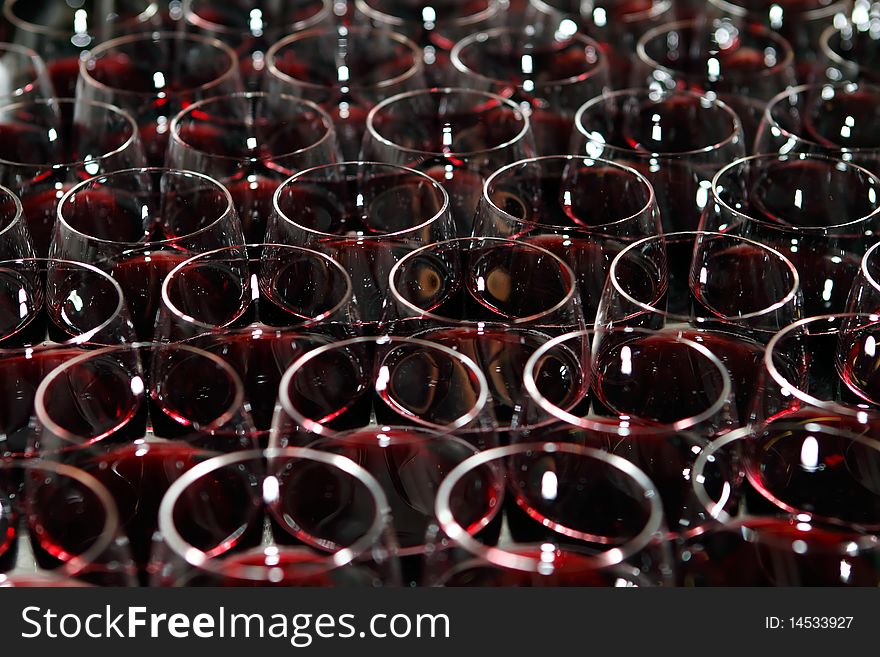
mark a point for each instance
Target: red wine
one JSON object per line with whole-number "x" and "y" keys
{"x": 767, "y": 552}
{"x": 141, "y": 278}
{"x": 8, "y": 531}
{"x": 21, "y": 373}
{"x": 138, "y": 476}
{"x": 64, "y": 72}
{"x": 627, "y": 383}
{"x": 847, "y": 120}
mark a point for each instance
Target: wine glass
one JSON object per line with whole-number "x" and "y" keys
{"x": 62, "y": 32}
{"x": 114, "y": 396}
{"x": 69, "y": 307}
{"x": 746, "y": 65}
{"x": 48, "y": 146}
{"x": 837, "y": 120}
{"x": 364, "y": 382}
{"x": 260, "y": 287}
{"x": 549, "y": 75}
{"x": 250, "y": 28}
{"x": 597, "y": 380}
{"x": 59, "y": 521}
{"x": 346, "y": 70}
{"x": 582, "y": 209}
{"x": 366, "y": 216}
{"x": 15, "y": 238}
{"x": 677, "y": 139}
{"x": 138, "y": 224}
{"x": 410, "y": 463}
{"x": 153, "y": 76}
{"x": 24, "y": 75}
{"x": 435, "y": 25}
{"x": 459, "y": 137}
{"x": 849, "y": 49}
{"x": 800, "y": 22}
{"x": 252, "y": 519}
{"x": 732, "y": 298}
{"x": 616, "y": 24}
{"x": 581, "y": 542}
{"x": 779, "y": 552}
{"x": 251, "y": 142}
{"x": 818, "y": 212}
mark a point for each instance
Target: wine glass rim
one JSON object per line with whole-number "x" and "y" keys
{"x": 38, "y": 64}
{"x": 201, "y": 560}
{"x": 192, "y": 17}
{"x": 792, "y": 93}
{"x": 791, "y": 228}
{"x": 484, "y": 36}
{"x": 175, "y": 136}
{"x": 320, "y": 430}
{"x": 96, "y": 159}
{"x": 657, "y": 8}
{"x": 300, "y": 175}
{"x": 861, "y": 413}
{"x": 825, "y": 45}
{"x": 755, "y": 527}
{"x": 697, "y": 234}
{"x": 17, "y": 216}
{"x": 508, "y": 559}
{"x": 517, "y": 111}
{"x": 607, "y": 425}
{"x": 309, "y": 322}
{"x": 657, "y": 96}
{"x": 500, "y": 173}
{"x": 75, "y": 441}
{"x": 812, "y": 14}
{"x": 317, "y": 33}
{"x": 151, "y": 10}
{"x": 493, "y": 7}
{"x": 754, "y": 30}
{"x": 86, "y": 336}
{"x": 77, "y": 564}
{"x": 229, "y": 211}
{"x": 873, "y": 282}
{"x": 715, "y": 508}
{"x": 156, "y": 37}
{"x": 569, "y": 297}
{"x": 757, "y": 481}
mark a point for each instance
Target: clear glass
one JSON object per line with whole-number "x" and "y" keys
{"x": 24, "y": 75}
{"x": 572, "y": 542}
{"x": 62, "y": 32}
{"x": 677, "y": 139}
{"x": 47, "y": 146}
{"x": 459, "y": 137}
{"x": 549, "y": 75}
{"x": 15, "y": 238}
{"x": 820, "y": 213}
{"x": 582, "y": 209}
{"x": 243, "y": 520}
{"x": 346, "y": 71}
{"x": 250, "y": 27}
{"x": 138, "y": 224}
{"x": 153, "y": 76}
{"x": 366, "y": 216}
{"x": 251, "y": 143}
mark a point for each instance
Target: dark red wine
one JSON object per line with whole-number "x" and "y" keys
{"x": 22, "y": 321}
{"x": 847, "y": 120}
{"x": 767, "y": 552}
{"x": 64, "y": 73}
{"x": 627, "y": 383}
{"x": 138, "y": 476}
{"x": 8, "y": 532}
{"x": 21, "y": 373}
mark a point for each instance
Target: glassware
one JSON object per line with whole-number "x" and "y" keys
{"x": 459, "y": 137}
{"x": 47, "y": 146}
{"x": 677, "y": 139}
{"x": 251, "y": 143}
{"x": 347, "y": 71}
{"x": 153, "y": 76}
{"x": 138, "y": 224}
{"x": 366, "y": 216}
